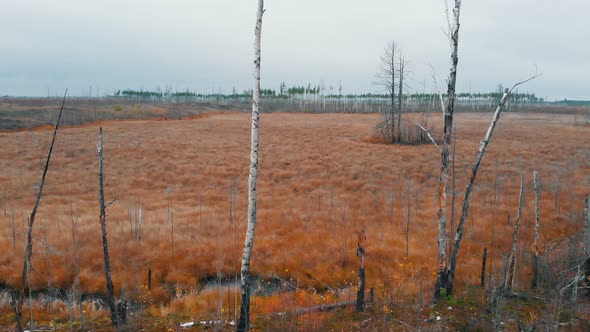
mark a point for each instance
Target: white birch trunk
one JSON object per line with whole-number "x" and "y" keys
{"x": 442, "y": 276}
{"x": 465, "y": 209}
{"x": 244, "y": 321}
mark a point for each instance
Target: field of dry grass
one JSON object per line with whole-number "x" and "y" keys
{"x": 321, "y": 181}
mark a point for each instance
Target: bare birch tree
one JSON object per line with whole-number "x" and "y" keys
{"x": 450, "y": 273}
{"x": 103, "y": 225}
{"x": 244, "y": 320}
{"x": 18, "y": 307}
{"x": 386, "y": 78}
{"x": 402, "y": 65}
{"x": 442, "y": 275}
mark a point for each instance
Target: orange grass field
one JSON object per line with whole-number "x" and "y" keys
{"x": 321, "y": 180}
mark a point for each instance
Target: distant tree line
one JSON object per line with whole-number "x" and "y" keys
{"x": 286, "y": 92}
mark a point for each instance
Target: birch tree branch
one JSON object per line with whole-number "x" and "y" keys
{"x": 466, "y": 200}
{"x": 429, "y": 136}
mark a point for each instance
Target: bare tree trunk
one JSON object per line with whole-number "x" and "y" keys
{"x": 244, "y": 321}
{"x": 442, "y": 275}
{"x": 587, "y": 218}
{"x": 484, "y": 259}
{"x": 453, "y": 187}
{"x": 360, "y": 252}
{"x": 509, "y": 279}
{"x": 103, "y": 226}
{"x": 18, "y": 308}
{"x": 450, "y": 273}
{"x": 587, "y": 239}
{"x": 465, "y": 209}
{"x": 402, "y": 65}
{"x": 537, "y": 187}
{"x": 392, "y": 92}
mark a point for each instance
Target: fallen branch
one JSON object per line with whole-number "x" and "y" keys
{"x": 429, "y": 136}
{"x": 323, "y": 307}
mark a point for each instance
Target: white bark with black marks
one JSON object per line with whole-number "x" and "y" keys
{"x": 244, "y": 320}
{"x": 442, "y": 276}
{"x": 475, "y": 167}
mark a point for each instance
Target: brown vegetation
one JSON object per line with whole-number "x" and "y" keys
{"x": 321, "y": 181}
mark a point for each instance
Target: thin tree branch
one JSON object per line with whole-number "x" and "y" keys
{"x": 429, "y": 136}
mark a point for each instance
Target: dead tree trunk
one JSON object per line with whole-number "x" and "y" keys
{"x": 587, "y": 240}
{"x": 587, "y": 219}
{"x": 509, "y": 278}
{"x": 244, "y": 320}
{"x": 103, "y": 226}
{"x": 360, "y": 252}
{"x": 18, "y": 307}
{"x": 400, "y": 94}
{"x": 475, "y": 167}
{"x": 450, "y": 273}
{"x": 484, "y": 259}
{"x": 386, "y": 76}
{"x": 392, "y": 92}
{"x": 536, "y": 253}
{"x": 442, "y": 275}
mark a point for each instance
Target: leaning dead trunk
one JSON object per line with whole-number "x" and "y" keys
{"x": 244, "y": 320}
{"x": 465, "y": 209}
{"x": 103, "y": 226}
{"x": 509, "y": 278}
{"x": 442, "y": 276}
{"x": 18, "y": 308}
{"x": 536, "y": 253}
{"x": 450, "y": 273}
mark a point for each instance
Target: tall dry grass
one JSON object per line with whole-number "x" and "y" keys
{"x": 321, "y": 182}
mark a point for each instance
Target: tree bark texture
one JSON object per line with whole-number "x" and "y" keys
{"x": 400, "y": 94}
{"x": 536, "y": 251}
{"x": 511, "y": 268}
{"x": 484, "y": 259}
{"x": 18, "y": 307}
{"x": 465, "y": 208}
{"x": 360, "y": 252}
{"x": 587, "y": 219}
{"x": 244, "y": 320}
{"x": 103, "y": 226}
{"x": 442, "y": 276}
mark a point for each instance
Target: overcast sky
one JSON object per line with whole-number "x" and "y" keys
{"x": 206, "y": 45}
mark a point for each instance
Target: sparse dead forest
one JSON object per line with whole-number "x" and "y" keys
{"x": 321, "y": 182}
{"x": 405, "y": 217}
